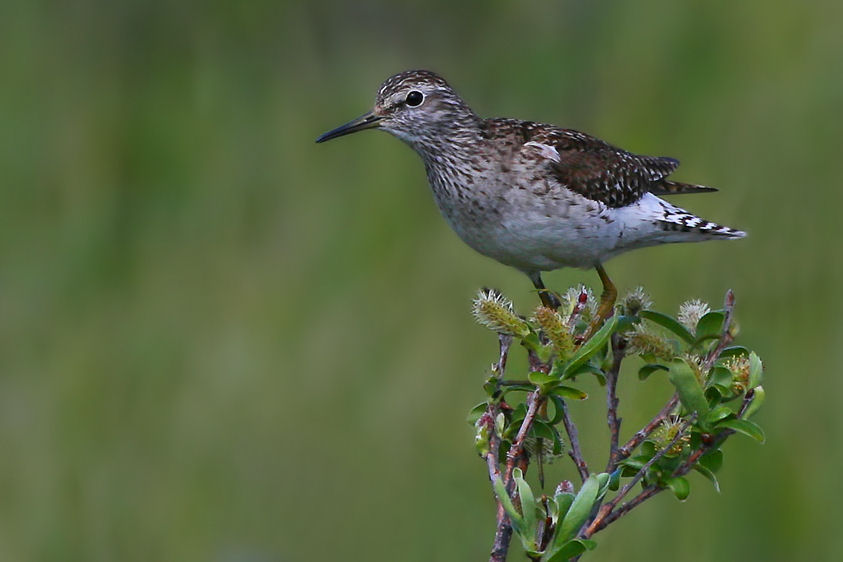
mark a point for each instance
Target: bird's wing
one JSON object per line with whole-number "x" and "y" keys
{"x": 602, "y": 172}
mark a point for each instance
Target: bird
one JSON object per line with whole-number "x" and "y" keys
{"x": 530, "y": 195}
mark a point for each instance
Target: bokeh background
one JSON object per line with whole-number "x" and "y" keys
{"x": 220, "y": 341}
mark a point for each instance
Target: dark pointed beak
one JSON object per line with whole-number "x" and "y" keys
{"x": 367, "y": 121}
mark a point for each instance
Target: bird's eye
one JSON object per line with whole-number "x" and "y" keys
{"x": 415, "y": 98}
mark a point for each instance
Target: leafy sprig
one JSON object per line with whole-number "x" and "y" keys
{"x": 717, "y": 388}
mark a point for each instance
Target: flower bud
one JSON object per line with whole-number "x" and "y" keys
{"x": 739, "y": 367}
{"x": 493, "y": 310}
{"x": 637, "y": 300}
{"x": 556, "y": 331}
{"x": 643, "y": 340}
{"x": 665, "y": 433}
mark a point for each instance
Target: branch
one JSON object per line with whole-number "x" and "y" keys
{"x": 726, "y": 335}
{"x": 574, "y": 439}
{"x": 504, "y": 341}
{"x": 645, "y": 431}
{"x": 612, "y": 400}
{"x": 503, "y": 529}
{"x": 625, "y": 508}
{"x": 689, "y": 463}
{"x": 684, "y": 469}
{"x": 607, "y": 508}
{"x": 534, "y": 400}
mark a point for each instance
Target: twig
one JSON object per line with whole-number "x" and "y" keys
{"x": 642, "y": 434}
{"x": 612, "y": 400}
{"x": 504, "y": 342}
{"x": 574, "y": 439}
{"x": 607, "y": 508}
{"x": 503, "y": 529}
{"x": 747, "y": 400}
{"x": 689, "y": 463}
{"x": 725, "y": 336}
{"x": 682, "y": 470}
{"x": 534, "y": 400}
{"x": 626, "y": 507}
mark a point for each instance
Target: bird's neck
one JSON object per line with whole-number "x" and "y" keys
{"x": 450, "y": 159}
{"x": 447, "y": 136}
{"x": 449, "y": 148}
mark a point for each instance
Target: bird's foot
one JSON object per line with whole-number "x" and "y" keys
{"x": 607, "y": 304}
{"x": 550, "y": 299}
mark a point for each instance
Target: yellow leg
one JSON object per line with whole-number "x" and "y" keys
{"x": 607, "y": 302}
{"x": 548, "y": 297}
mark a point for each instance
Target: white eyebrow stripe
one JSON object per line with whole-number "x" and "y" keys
{"x": 546, "y": 150}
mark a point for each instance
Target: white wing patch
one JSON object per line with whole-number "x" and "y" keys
{"x": 545, "y": 150}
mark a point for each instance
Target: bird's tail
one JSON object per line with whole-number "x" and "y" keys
{"x": 668, "y": 187}
{"x": 691, "y": 226}
{"x": 674, "y": 224}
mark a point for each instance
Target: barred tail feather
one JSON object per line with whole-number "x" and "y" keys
{"x": 668, "y": 187}
{"x": 688, "y": 226}
{"x": 693, "y": 224}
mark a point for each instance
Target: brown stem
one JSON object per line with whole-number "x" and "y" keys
{"x": 642, "y": 434}
{"x": 607, "y": 508}
{"x": 726, "y": 334}
{"x": 625, "y": 508}
{"x": 503, "y": 529}
{"x": 574, "y": 440}
{"x": 612, "y": 400}
{"x": 516, "y": 452}
{"x": 504, "y": 342}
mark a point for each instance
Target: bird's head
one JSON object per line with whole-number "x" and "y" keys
{"x": 413, "y": 105}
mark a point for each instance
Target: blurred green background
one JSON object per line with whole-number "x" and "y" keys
{"x": 220, "y": 341}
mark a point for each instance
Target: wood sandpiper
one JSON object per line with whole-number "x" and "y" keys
{"x": 533, "y": 196}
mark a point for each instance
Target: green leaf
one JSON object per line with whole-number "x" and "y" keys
{"x": 720, "y": 375}
{"x": 603, "y": 481}
{"x": 712, "y": 461}
{"x": 649, "y": 369}
{"x": 615, "y": 480}
{"x": 733, "y": 350}
{"x": 669, "y": 323}
{"x": 541, "y": 379}
{"x": 476, "y": 412}
{"x": 717, "y": 414}
{"x": 717, "y": 393}
{"x": 579, "y": 511}
{"x": 590, "y": 347}
{"x": 514, "y": 387}
{"x": 569, "y": 392}
{"x": 710, "y": 326}
{"x": 514, "y": 517}
{"x": 690, "y": 391}
{"x": 558, "y": 409}
{"x": 679, "y": 486}
{"x": 566, "y": 551}
{"x": 491, "y": 387}
{"x": 563, "y": 504}
{"x": 542, "y": 429}
{"x": 632, "y": 465}
{"x": 756, "y": 370}
{"x": 587, "y": 369}
{"x": 708, "y": 474}
{"x": 528, "y": 511}
{"x": 757, "y": 400}
{"x": 531, "y": 341}
{"x": 748, "y": 428}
